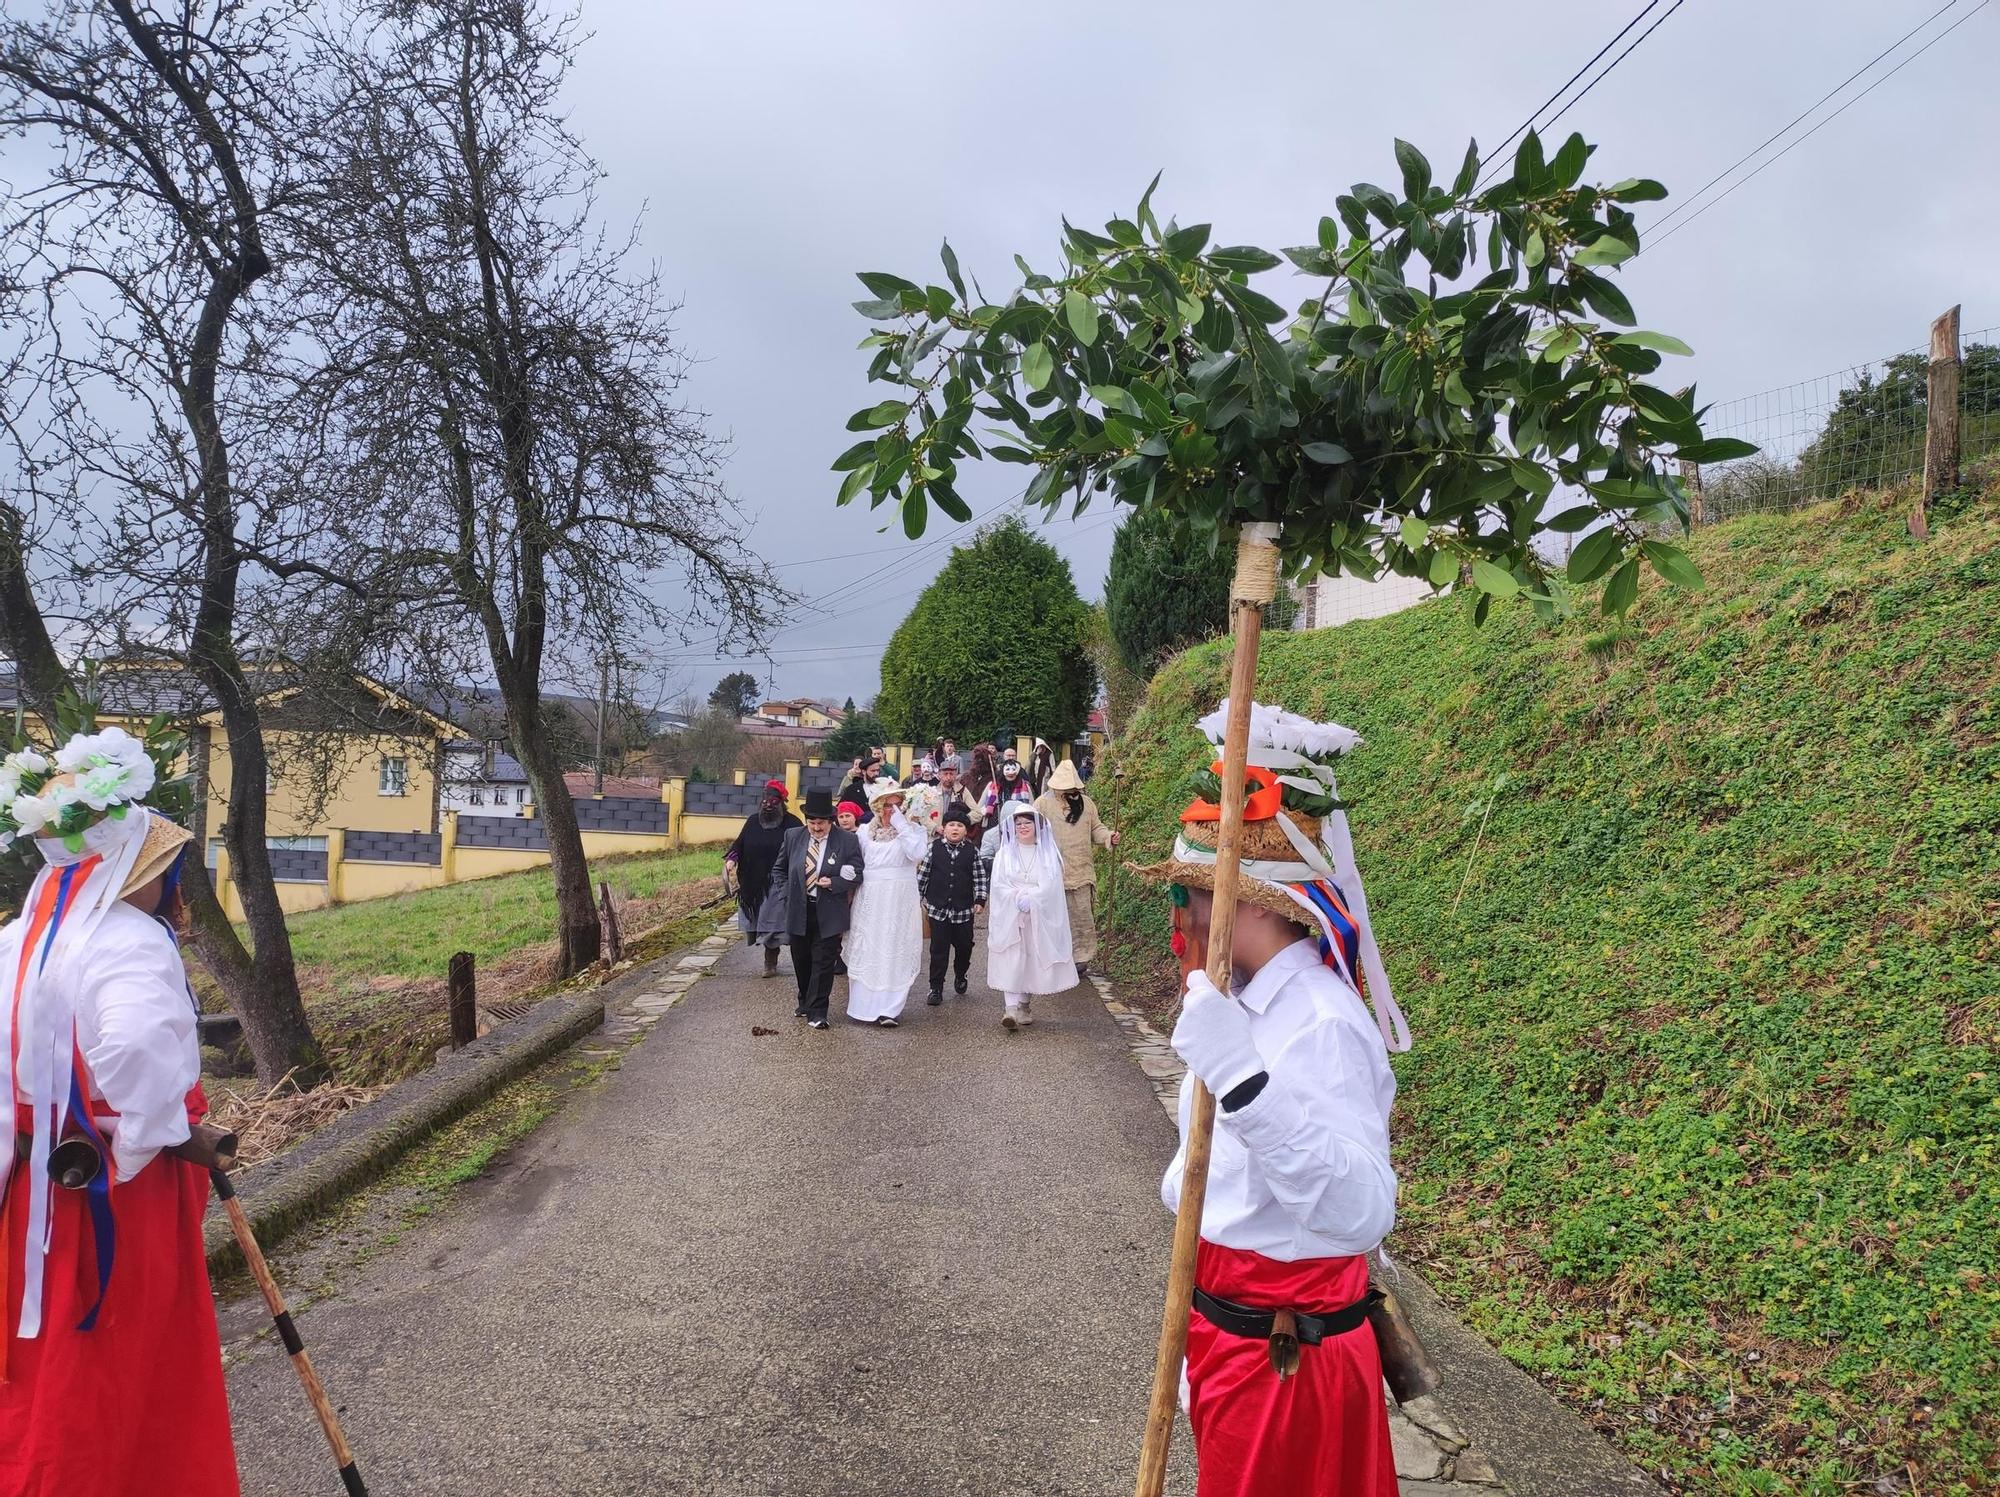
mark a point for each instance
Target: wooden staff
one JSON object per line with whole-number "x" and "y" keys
{"x": 1255, "y": 584}
{"x": 239, "y": 1223}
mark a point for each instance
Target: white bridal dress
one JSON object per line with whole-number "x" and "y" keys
{"x": 1027, "y": 950}
{"x": 885, "y": 937}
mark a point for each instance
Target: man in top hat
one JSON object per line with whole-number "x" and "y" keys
{"x": 818, "y": 868}
{"x": 1079, "y": 831}
{"x": 110, "y": 1366}
{"x": 751, "y": 856}
{"x": 1300, "y": 1190}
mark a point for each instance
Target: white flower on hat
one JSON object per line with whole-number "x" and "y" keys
{"x": 33, "y": 813}
{"x": 24, "y": 762}
{"x": 1275, "y": 728}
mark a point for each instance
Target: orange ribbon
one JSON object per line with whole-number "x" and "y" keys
{"x": 1261, "y": 806}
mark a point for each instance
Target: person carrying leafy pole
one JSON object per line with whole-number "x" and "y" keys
{"x": 110, "y": 1366}
{"x": 1463, "y": 352}
{"x": 1284, "y": 1372}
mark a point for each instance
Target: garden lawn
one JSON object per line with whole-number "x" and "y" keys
{"x": 1702, "y": 1122}
{"x": 373, "y": 973}
{"x": 413, "y": 935}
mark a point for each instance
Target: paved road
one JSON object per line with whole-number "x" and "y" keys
{"x": 917, "y": 1261}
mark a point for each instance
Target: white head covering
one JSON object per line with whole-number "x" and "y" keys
{"x": 1038, "y": 864}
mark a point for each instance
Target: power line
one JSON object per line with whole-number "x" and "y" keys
{"x": 1695, "y": 196}
{"x": 1822, "y": 124}
{"x": 1612, "y": 64}
{"x": 1529, "y": 123}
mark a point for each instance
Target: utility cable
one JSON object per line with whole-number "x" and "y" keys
{"x": 1694, "y": 197}
{"x": 1822, "y": 124}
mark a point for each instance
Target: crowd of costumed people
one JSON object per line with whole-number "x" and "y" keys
{"x": 855, "y": 887}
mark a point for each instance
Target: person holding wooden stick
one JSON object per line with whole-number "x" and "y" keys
{"x": 1284, "y": 1376}
{"x": 111, "y": 1368}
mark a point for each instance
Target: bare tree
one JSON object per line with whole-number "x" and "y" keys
{"x": 145, "y": 243}
{"x": 506, "y": 384}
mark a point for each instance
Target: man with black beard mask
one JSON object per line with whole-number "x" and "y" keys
{"x": 751, "y": 856}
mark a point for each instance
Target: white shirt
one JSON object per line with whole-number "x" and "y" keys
{"x": 1303, "y": 1170}
{"x": 135, "y": 1024}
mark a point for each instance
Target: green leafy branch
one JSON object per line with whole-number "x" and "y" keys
{"x": 1409, "y": 418}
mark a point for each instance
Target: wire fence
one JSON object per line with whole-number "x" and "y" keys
{"x": 1861, "y": 427}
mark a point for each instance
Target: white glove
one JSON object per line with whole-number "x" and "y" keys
{"x": 1024, "y": 902}
{"x": 1213, "y": 1037}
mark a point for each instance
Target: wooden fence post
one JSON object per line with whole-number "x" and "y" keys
{"x": 1691, "y": 481}
{"x": 464, "y": 1007}
{"x": 613, "y": 942}
{"x": 1941, "y": 420}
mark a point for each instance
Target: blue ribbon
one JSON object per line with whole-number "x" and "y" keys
{"x": 103, "y": 1229}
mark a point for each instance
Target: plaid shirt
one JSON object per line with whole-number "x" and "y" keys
{"x": 952, "y": 880}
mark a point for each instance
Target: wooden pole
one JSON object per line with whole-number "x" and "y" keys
{"x": 613, "y": 942}
{"x": 1940, "y": 420}
{"x": 1255, "y": 585}
{"x": 1691, "y": 481}
{"x": 463, "y": 1000}
{"x": 288, "y": 1333}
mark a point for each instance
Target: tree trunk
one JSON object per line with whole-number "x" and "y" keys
{"x": 40, "y": 676}
{"x": 266, "y": 997}
{"x": 578, "y": 938}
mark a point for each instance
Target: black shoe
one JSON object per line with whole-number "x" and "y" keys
{"x": 798, "y": 1013}
{"x": 816, "y": 1024}
{"x": 885, "y": 1022}
{"x": 958, "y": 986}
{"x": 840, "y": 968}
{"x": 936, "y": 997}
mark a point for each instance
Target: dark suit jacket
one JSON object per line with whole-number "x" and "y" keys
{"x": 788, "y": 876}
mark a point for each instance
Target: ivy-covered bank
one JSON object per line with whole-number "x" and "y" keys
{"x": 1695, "y": 921}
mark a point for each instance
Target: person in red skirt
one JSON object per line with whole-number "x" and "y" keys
{"x": 110, "y": 1369}
{"x": 1300, "y": 1188}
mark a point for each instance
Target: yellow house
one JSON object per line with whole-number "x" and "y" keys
{"x": 348, "y": 756}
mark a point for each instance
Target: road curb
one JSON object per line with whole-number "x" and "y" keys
{"x": 358, "y": 1146}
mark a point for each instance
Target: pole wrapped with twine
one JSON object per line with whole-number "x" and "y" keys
{"x": 1254, "y": 585}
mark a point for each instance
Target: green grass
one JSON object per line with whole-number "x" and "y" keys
{"x": 1702, "y": 1121}
{"x": 413, "y": 935}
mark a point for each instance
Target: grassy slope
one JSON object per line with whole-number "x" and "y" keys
{"x": 1702, "y": 1117}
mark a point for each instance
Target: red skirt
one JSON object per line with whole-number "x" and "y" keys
{"x": 1324, "y": 1431}
{"x": 134, "y": 1407}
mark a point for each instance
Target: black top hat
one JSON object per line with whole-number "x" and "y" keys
{"x": 819, "y": 805}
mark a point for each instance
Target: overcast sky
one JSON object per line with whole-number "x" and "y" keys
{"x": 775, "y": 149}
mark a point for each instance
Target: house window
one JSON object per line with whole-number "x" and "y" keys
{"x": 475, "y": 798}
{"x": 214, "y": 853}
{"x": 296, "y": 844}
{"x": 395, "y": 776}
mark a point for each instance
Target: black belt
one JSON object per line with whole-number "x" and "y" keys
{"x": 1255, "y": 1325}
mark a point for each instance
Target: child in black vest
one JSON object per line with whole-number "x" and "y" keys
{"x": 952, "y": 882}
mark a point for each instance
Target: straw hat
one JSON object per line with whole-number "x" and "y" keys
{"x": 1065, "y": 777}
{"x": 880, "y": 790}
{"x": 1267, "y": 855}
{"x": 164, "y": 842}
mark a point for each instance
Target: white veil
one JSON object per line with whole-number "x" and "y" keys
{"x": 1039, "y": 867}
